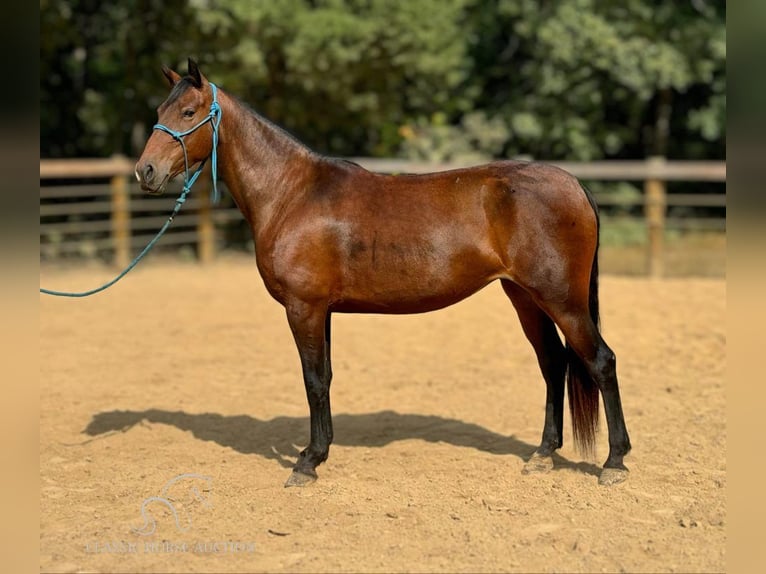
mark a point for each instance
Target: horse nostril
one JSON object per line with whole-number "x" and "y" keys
{"x": 148, "y": 172}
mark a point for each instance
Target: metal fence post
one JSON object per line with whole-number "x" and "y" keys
{"x": 120, "y": 217}
{"x": 654, "y": 209}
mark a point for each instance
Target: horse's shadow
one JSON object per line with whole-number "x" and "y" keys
{"x": 273, "y": 439}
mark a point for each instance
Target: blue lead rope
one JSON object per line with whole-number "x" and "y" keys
{"x": 214, "y": 117}
{"x": 179, "y": 202}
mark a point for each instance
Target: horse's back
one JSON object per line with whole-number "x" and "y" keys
{"x": 496, "y": 186}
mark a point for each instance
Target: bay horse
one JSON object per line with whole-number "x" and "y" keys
{"x": 332, "y": 237}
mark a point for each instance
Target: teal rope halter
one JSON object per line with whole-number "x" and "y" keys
{"x": 214, "y": 117}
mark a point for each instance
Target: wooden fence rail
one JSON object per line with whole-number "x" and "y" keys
{"x": 122, "y": 214}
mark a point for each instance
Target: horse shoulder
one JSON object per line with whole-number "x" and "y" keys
{"x": 301, "y": 257}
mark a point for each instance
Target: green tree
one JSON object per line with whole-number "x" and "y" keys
{"x": 598, "y": 78}
{"x": 435, "y": 79}
{"x": 587, "y": 79}
{"x": 346, "y": 74}
{"x": 100, "y": 74}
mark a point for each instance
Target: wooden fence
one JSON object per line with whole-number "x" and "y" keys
{"x": 122, "y": 218}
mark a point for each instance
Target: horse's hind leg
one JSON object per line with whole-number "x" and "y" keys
{"x": 583, "y": 337}
{"x": 551, "y": 356}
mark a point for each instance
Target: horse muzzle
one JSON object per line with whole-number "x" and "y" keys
{"x": 150, "y": 179}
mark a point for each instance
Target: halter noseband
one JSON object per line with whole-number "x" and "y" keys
{"x": 214, "y": 117}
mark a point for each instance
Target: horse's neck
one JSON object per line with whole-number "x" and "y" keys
{"x": 263, "y": 167}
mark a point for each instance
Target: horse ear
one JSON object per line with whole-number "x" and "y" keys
{"x": 195, "y": 74}
{"x": 172, "y": 77}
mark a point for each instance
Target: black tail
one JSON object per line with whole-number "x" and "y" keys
{"x": 582, "y": 390}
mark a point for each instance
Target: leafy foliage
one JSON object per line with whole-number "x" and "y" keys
{"x": 432, "y": 79}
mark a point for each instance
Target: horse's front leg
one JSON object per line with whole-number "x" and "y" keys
{"x": 310, "y": 325}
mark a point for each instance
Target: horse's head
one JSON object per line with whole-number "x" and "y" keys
{"x": 176, "y": 143}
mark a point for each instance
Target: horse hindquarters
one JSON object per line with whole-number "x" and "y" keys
{"x": 556, "y": 265}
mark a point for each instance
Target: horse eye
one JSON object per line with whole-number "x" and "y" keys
{"x": 188, "y": 113}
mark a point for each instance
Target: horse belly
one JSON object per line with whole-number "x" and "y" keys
{"x": 402, "y": 277}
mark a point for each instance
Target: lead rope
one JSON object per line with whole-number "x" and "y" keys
{"x": 214, "y": 117}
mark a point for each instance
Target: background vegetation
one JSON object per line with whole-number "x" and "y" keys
{"x": 427, "y": 79}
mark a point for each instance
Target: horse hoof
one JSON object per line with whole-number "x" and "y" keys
{"x": 611, "y": 476}
{"x": 300, "y": 479}
{"x": 538, "y": 464}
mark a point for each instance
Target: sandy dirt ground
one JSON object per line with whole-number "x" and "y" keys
{"x": 172, "y": 409}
